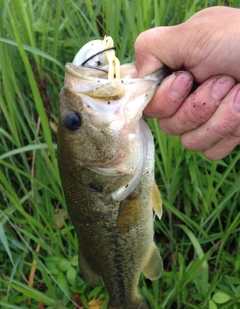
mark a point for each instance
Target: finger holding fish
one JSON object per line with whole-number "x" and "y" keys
{"x": 170, "y": 95}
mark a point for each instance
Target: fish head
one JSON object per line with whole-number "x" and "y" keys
{"x": 99, "y": 132}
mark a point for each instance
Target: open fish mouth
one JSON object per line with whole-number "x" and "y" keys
{"x": 110, "y": 89}
{"x": 97, "y": 60}
{"x": 96, "y": 73}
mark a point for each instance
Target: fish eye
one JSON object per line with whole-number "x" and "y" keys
{"x": 72, "y": 121}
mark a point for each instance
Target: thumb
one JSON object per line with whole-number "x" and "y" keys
{"x": 155, "y": 44}
{"x": 207, "y": 44}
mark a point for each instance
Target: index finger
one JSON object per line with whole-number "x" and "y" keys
{"x": 170, "y": 95}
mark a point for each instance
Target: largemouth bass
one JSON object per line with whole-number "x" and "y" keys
{"x": 106, "y": 163}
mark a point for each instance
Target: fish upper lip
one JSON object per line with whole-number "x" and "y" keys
{"x": 93, "y": 74}
{"x": 74, "y": 70}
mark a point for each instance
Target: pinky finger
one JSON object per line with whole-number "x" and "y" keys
{"x": 222, "y": 148}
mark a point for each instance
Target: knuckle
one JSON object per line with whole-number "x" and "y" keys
{"x": 190, "y": 143}
{"x": 223, "y": 127}
{"x": 201, "y": 107}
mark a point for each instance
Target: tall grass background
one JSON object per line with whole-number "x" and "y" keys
{"x": 198, "y": 236}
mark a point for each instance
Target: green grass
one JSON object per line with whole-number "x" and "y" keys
{"x": 198, "y": 236}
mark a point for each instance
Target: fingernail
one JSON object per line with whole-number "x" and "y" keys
{"x": 221, "y": 87}
{"x": 181, "y": 85}
{"x": 236, "y": 101}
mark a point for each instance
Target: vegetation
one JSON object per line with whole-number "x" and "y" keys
{"x": 198, "y": 236}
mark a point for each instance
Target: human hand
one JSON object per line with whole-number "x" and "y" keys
{"x": 207, "y": 46}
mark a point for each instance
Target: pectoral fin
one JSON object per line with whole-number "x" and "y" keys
{"x": 153, "y": 269}
{"x": 88, "y": 275}
{"x": 130, "y": 213}
{"x": 157, "y": 201}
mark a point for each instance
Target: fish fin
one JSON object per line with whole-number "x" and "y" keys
{"x": 88, "y": 275}
{"x": 143, "y": 304}
{"x": 140, "y": 305}
{"x": 130, "y": 213}
{"x": 153, "y": 269}
{"x": 157, "y": 201}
